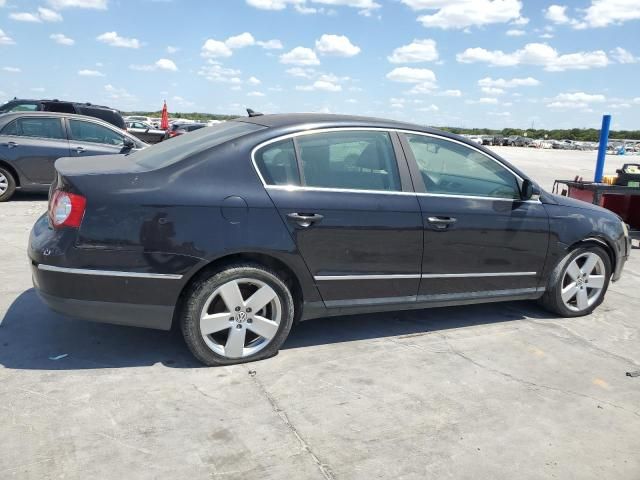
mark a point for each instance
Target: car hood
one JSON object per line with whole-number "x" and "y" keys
{"x": 572, "y": 202}
{"x": 97, "y": 165}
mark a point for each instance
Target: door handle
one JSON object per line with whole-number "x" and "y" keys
{"x": 305, "y": 219}
{"x": 441, "y": 223}
{"x": 79, "y": 149}
{"x": 11, "y": 144}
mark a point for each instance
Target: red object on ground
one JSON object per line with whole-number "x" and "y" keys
{"x": 164, "y": 122}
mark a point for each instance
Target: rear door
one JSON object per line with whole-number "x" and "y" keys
{"x": 88, "y": 138}
{"x": 348, "y": 204}
{"x": 33, "y": 144}
{"x": 480, "y": 238}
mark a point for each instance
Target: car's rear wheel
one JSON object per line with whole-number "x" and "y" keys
{"x": 237, "y": 315}
{"x": 578, "y": 284}
{"x": 7, "y": 184}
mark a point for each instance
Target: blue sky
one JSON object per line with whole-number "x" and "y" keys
{"x": 471, "y": 63}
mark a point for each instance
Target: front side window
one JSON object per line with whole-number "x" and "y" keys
{"x": 277, "y": 163}
{"x": 37, "y": 128}
{"x": 454, "y": 169}
{"x": 94, "y": 133}
{"x": 355, "y": 160}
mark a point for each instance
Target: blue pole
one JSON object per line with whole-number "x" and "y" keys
{"x": 602, "y": 148}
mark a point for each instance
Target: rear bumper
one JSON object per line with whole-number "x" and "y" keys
{"x": 86, "y": 297}
{"x": 129, "y": 314}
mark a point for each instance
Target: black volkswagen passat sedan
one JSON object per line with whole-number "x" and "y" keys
{"x": 237, "y": 231}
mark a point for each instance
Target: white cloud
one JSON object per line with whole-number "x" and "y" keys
{"x": 412, "y": 75}
{"x": 575, "y": 100}
{"x": 215, "y": 72}
{"x": 240, "y": 41}
{"x": 182, "y": 102}
{"x": 215, "y": 49}
{"x": 120, "y": 94}
{"x": 90, "y": 73}
{"x": 460, "y": 14}
{"x": 11, "y": 69}
{"x": 62, "y": 39}
{"x": 115, "y": 40}
{"x": 301, "y": 72}
{"x": 305, "y": 6}
{"x": 415, "y": 52}
{"x": 162, "y": 64}
{"x": 274, "y": 44}
{"x": 253, "y": 81}
{"x": 25, "y": 17}
{"x": 489, "y": 100}
{"x": 255, "y": 94}
{"x": 512, "y": 83}
{"x": 492, "y": 90}
{"x": 514, "y": 32}
{"x": 323, "y": 85}
{"x": 91, "y": 4}
{"x": 557, "y": 14}
{"x": 430, "y": 108}
{"x": 602, "y": 13}
{"x": 621, "y": 55}
{"x": 451, "y": 93}
{"x": 300, "y": 56}
{"x": 172, "y": 49}
{"x": 336, "y": 45}
{"x": 539, "y": 54}
{"x": 5, "y": 39}
{"x": 47, "y": 15}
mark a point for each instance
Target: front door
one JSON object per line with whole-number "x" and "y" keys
{"x": 480, "y": 238}
{"x": 88, "y": 138}
{"x": 346, "y": 203}
{"x": 33, "y": 144}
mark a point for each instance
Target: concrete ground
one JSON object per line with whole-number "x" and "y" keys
{"x": 482, "y": 392}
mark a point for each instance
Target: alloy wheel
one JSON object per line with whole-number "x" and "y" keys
{"x": 240, "y": 318}
{"x": 583, "y": 282}
{"x": 4, "y": 183}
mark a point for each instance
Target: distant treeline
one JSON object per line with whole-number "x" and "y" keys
{"x": 579, "y": 134}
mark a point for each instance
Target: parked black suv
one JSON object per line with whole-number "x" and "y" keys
{"x": 98, "y": 111}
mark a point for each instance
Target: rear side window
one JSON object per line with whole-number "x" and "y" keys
{"x": 36, "y": 128}
{"x": 20, "y": 107}
{"x": 358, "y": 160}
{"x": 277, "y": 163}
{"x": 109, "y": 116}
{"x": 184, "y": 146}
{"x": 94, "y": 133}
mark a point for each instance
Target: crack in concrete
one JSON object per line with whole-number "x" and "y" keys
{"x": 325, "y": 470}
{"x": 530, "y": 383}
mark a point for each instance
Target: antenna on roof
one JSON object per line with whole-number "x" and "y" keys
{"x": 251, "y": 113}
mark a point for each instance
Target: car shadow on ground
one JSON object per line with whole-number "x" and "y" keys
{"x": 29, "y": 196}
{"x": 32, "y": 337}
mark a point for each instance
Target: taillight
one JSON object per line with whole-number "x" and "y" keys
{"x": 66, "y": 209}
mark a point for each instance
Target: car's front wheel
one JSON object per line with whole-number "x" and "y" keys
{"x": 237, "y": 315}
{"x": 7, "y": 184}
{"x": 578, "y": 284}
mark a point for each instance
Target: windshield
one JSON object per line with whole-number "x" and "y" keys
{"x": 171, "y": 151}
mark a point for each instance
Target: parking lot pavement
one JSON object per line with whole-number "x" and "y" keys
{"x": 483, "y": 392}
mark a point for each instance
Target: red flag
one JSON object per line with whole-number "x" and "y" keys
{"x": 164, "y": 123}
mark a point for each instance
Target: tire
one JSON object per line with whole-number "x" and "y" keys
{"x": 212, "y": 330}
{"x": 565, "y": 275}
{"x": 7, "y": 184}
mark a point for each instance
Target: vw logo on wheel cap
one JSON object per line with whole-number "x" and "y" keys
{"x": 242, "y": 317}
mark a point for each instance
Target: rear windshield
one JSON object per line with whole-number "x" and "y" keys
{"x": 173, "y": 150}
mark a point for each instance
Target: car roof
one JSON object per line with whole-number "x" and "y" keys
{"x": 284, "y": 120}
{"x": 55, "y": 100}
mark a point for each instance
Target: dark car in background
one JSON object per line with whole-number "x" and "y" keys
{"x": 237, "y": 231}
{"x": 31, "y": 142}
{"x": 107, "y": 114}
{"x": 516, "y": 141}
{"x": 177, "y": 129}
{"x": 145, "y": 132}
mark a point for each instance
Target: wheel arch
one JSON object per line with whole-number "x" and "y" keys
{"x": 11, "y": 170}
{"x": 266, "y": 260}
{"x": 600, "y": 242}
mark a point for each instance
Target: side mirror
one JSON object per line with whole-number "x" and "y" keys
{"x": 530, "y": 191}
{"x": 127, "y": 144}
